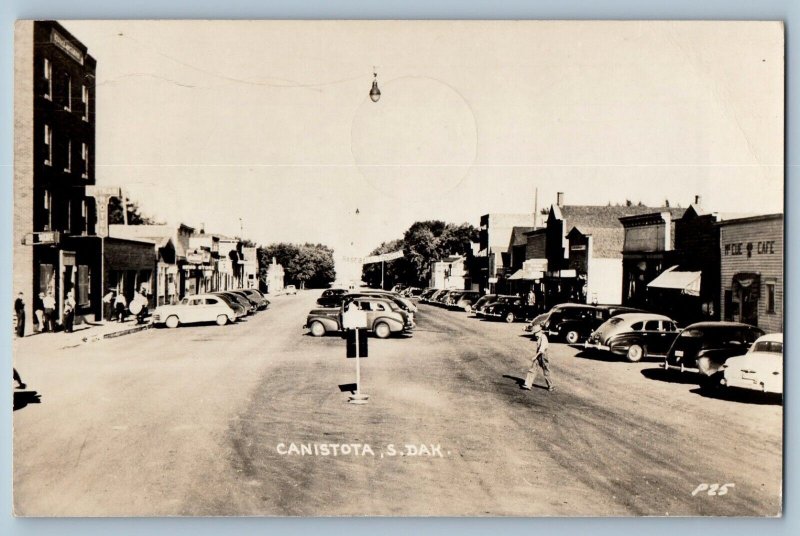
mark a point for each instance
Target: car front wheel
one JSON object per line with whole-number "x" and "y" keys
{"x": 510, "y": 317}
{"x": 635, "y": 353}
{"x": 317, "y": 329}
{"x": 172, "y": 322}
{"x": 222, "y": 320}
{"x": 382, "y": 330}
{"x": 572, "y": 337}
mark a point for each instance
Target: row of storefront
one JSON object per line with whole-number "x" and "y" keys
{"x": 687, "y": 263}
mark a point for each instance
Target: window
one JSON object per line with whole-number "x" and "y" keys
{"x": 84, "y": 161}
{"x": 637, "y": 326}
{"x": 48, "y": 202}
{"x": 67, "y": 93}
{"x": 211, "y": 301}
{"x": 48, "y": 78}
{"x": 68, "y": 157}
{"x": 379, "y": 306}
{"x": 651, "y": 325}
{"x": 48, "y": 145}
{"x": 669, "y": 326}
{"x": 770, "y": 297}
{"x": 84, "y": 218}
{"x": 85, "y": 101}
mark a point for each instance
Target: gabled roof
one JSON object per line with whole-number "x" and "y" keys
{"x": 518, "y": 235}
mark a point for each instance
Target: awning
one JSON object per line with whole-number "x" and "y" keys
{"x": 686, "y": 282}
{"x": 525, "y": 275}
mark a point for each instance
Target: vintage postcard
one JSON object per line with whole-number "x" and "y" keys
{"x": 398, "y": 268}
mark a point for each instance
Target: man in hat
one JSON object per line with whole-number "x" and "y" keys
{"x": 540, "y": 359}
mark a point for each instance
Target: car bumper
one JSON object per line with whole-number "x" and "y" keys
{"x": 682, "y": 368}
{"x": 596, "y": 346}
{"x": 755, "y": 384}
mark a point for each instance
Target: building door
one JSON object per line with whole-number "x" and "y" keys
{"x": 745, "y": 297}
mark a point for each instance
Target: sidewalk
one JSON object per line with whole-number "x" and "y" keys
{"x": 82, "y": 334}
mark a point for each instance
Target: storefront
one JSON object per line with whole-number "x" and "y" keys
{"x": 198, "y": 272}
{"x": 751, "y": 271}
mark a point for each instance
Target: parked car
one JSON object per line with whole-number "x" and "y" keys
{"x": 704, "y": 347}
{"x": 537, "y": 322}
{"x": 260, "y": 299}
{"x": 442, "y": 297}
{"x": 384, "y": 317}
{"x": 241, "y": 300}
{"x": 195, "y": 309}
{"x": 486, "y": 299}
{"x": 574, "y": 322}
{"x": 760, "y": 369}
{"x": 432, "y": 299}
{"x": 241, "y": 310}
{"x": 464, "y": 300}
{"x": 634, "y": 335}
{"x": 426, "y": 294}
{"x": 290, "y": 289}
{"x": 251, "y": 299}
{"x": 487, "y": 309}
{"x": 509, "y": 310}
{"x": 331, "y": 297}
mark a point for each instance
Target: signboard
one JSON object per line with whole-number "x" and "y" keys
{"x": 354, "y": 318}
{"x": 383, "y": 257}
{"x": 45, "y": 237}
{"x": 492, "y": 280}
{"x": 66, "y": 45}
{"x": 363, "y": 350}
{"x": 197, "y": 257}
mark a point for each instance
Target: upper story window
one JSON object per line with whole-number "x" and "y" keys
{"x": 48, "y": 143}
{"x": 67, "y": 92}
{"x": 85, "y": 101}
{"x": 48, "y": 202}
{"x": 48, "y": 77}
{"x": 84, "y": 161}
{"x": 68, "y": 157}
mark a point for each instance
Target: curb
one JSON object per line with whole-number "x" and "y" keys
{"x": 127, "y": 331}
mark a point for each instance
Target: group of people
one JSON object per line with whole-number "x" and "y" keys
{"x": 44, "y": 310}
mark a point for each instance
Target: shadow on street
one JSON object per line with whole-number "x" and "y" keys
{"x": 745, "y": 396}
{"x": 670, "y": 376}
{"x": 23, "y": 398}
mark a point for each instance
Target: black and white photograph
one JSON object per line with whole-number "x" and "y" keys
{"x": 398, "y": 268}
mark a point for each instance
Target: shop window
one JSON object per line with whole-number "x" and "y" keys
{"x": 48, "y": 79}
{"x": 771, "y": 297}
{"x": 85, "y": 101}
{"x": 48, "y": 145}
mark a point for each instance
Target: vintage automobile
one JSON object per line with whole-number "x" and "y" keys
{"x": 238, "y": 298}
{"x": 486, "y": 299}
{"x": 573, "y": 322}
{"x": 704, "y": 347}
{"x": 256, "y": 295}
{"x": 509, "y": 309}
{"x": 760, "y": 369}
{"x": 433, "y": 297}
{"x": 442, "y": 297}
{"x": 290, "y": 289}
{"x": 463, "y": 299}
{"x": 404, "y": 303}
{"x": 251, "y": 299}
{"x": 384, "y": 317}
{"x": 331, "y": 297}
{"x": 634, "y": 335}
{"x": 195, "y": 309}
{"x": 426, "y": 294}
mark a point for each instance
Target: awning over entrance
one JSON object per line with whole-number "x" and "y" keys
{"x": 686, "y": 282}
{"x": 525, "y": 275}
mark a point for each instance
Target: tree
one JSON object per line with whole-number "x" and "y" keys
{"x": 135, "y": 216}
{"x": 304, "y": 265}
{"x": 423, "y": 243}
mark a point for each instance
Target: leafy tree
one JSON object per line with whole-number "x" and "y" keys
{"x": 135, "y": 216}
{"x": 304, "y": 265}
{"x": 423, "y": 243}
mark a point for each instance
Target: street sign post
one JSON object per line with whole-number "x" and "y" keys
{"x": 355, "y": 320}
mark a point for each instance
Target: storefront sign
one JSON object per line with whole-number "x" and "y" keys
{"x": 197, "y": 257}
{"x": 46, "y": 237}
{"x": 66, "y": 45}
{"x": 766, "y": 247}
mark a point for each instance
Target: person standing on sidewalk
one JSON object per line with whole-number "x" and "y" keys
{"x": 69, "y": 312}
{"x": 540, "y": 359}
{"x": 120, "y": 304}
{"x": 49, "y": 303}
{"x": 19, "y": 309}
{"x": 38, "y": 313}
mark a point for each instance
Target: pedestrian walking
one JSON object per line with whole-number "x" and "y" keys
{"x": 540, "y": 359}
{"x": 69, "y": 312}
{"x": 38, "y": 313}
{"x": 19, "y": 309}
{"x": 120, "y": 304}
{"x": 49, "y": 303}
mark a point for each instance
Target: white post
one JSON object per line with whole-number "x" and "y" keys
{"x": 358, "y": 398}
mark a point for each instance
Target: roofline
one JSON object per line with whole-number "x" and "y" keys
{"x": 751, "y": 219}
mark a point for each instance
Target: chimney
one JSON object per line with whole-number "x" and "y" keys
{"x": 698, "y": 200}
{"x": 560, "y": 199}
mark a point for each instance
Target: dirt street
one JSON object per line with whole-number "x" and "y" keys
{"x": 237, "y": 420}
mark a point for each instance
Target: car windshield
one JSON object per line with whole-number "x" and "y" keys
{"x": 772, "y": 347}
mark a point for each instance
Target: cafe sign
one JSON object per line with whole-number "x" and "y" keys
{"x": 765, "y": 247}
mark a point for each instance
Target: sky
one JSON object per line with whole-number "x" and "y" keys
{"x": 266, "y": 130}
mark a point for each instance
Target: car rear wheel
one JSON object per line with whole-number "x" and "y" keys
{"x": 222, "y": 320}
{"x": 317, "y": 329}
{"x": 572, "y": 337}
{"x": 510, "y": 317}
{"x": 382, "y": 330}
{"x": 172, "y": 322}
{"x": 635, "y": 353}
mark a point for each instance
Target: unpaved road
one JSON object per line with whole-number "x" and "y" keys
{"x": 201, "y": 421}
